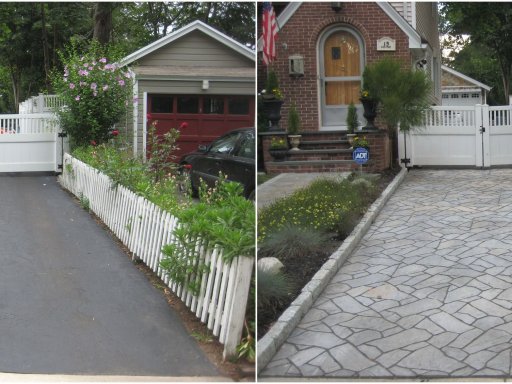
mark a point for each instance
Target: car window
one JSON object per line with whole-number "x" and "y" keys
{"x": 225, "y": 144}
{"x": 247, "y": 146}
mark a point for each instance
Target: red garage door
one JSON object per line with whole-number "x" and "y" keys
{"x": 207, "y": 117}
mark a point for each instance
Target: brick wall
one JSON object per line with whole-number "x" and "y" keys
{"x": 300, "y": 36}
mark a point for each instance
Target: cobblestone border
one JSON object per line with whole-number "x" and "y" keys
{"x": 268, "y": 345}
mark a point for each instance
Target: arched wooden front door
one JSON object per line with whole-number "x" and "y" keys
{"x": 341, "y": 66}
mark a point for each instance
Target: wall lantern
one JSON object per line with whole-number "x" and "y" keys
{"x": 296, "y": 65}
{"x": 336, "y": 6}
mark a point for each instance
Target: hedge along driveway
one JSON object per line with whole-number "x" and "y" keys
{"x": 72, "y": 302}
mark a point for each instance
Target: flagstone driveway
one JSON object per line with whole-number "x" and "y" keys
{"x": 428, "y": 293}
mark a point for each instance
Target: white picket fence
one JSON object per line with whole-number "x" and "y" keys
{"x": 40, "y": 103}
{"x": 145, "y": 228}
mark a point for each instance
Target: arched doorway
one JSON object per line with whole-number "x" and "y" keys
{"x": 341, "y": 59}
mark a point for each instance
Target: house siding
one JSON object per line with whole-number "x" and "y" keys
{"x": 300, "y": 36}
{"x": 195, "y": 49}
{"x": 404, "y": 8}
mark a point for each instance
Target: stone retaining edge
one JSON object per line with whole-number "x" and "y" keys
{"x": 268, "y": 345}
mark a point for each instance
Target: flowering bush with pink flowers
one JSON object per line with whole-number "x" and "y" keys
{"x": 96, "y": 93}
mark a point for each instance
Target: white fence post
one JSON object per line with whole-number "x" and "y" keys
{"x": 485, "y": 135}
{"x": 238, "y": 305}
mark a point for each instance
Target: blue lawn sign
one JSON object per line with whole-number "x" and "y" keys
{"x": 360, "y": 155}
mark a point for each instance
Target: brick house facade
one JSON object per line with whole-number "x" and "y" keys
{"x": 373, "y": 30}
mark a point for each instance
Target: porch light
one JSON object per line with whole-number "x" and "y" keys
{"x": 336, "y": 6}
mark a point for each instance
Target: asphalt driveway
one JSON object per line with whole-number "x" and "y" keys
{"x": 71, "y": 302}
{"x": 428, "y": 293}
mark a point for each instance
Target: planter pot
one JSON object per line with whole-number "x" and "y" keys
{"x": 350, "y": 138}
{"x": 278, "y": 154}
{"x": 370, "y": 113}
{"x": 272, "y": 108}
{"x": 294, "y": 141}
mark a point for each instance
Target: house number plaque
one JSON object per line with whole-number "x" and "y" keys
{"x": 386, "y": 44}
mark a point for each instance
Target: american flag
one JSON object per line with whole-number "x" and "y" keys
{"x": 269, "y": 33}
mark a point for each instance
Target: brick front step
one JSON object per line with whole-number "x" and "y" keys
{"x": 320, "y": 154}
{"x": 323, "y": 144}
{"x": 311, "y": 166}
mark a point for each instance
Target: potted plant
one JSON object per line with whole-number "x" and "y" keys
{"x": 361, "y": 142}
{"x": 272, "y": 100}
{"x": 278, "y": 148}
{"x": 370, "y": 109}
{"x": 294, "y": 128}
{"x": 352, "y": 123}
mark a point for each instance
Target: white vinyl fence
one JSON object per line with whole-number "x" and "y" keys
{"x": 39, "y": 104}
{"x": 145, "y": 228}
{"x": 476, "y": 136}
{"x": 29, "y": 143}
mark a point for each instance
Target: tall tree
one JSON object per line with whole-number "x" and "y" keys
{"x": 488, "y": 24}
{"x": 103, "y": 22}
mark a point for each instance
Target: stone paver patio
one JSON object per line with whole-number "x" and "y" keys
{"x": 428, "y": 292}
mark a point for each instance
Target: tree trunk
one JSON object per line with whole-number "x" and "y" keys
{"x": 46, "y": 51}
{"x": 103, "y": 22}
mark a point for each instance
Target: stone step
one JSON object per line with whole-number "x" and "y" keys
{"x": 311, "y": 166}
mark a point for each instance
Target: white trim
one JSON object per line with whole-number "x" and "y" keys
{"x": 464, "y": 77}
{"x": 414, "y": 37}
{"x": 135, "y": 116}
{"x": 144, "y": 126}
{"x": 194, "y": 26}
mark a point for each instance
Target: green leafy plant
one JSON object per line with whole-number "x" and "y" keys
{"x": 95, "y": 91}
{"x": 360, "y": 142}
{"x": 278, "y": 143}
{"x": 352, "y": 119}
{"x": 272, "y": 86}
{"x": 84, "y": 202}
{"x": 222, "y": 218}
{"x": 293, "y": 120}
{"x": 161, "y": 151}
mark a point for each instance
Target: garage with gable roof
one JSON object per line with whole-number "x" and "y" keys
{"x": 195, "y": 79}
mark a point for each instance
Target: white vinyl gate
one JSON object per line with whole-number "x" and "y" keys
{"x": 30, "y": 143}
{"x": 476, "y": 136}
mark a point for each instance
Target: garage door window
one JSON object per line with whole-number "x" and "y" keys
{"x": 238, "y": 106}
{"x": 213, "y": 105}
{"x": 162, "y": 104}
{"x": 188, "y": 104}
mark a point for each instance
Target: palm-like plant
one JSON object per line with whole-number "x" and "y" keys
{"x": 403, "y": 95}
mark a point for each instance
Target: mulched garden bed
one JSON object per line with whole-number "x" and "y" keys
{"x": 303, "y": 269}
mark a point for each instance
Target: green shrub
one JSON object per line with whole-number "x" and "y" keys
{"x": 293, "y": 121}
{"x": 321, "y": 205}
{"x": 352, "y": 119}
{"x": 273, "y": 290}
{"x": 293, "y": 241}
{"x": 95, "y": 91}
